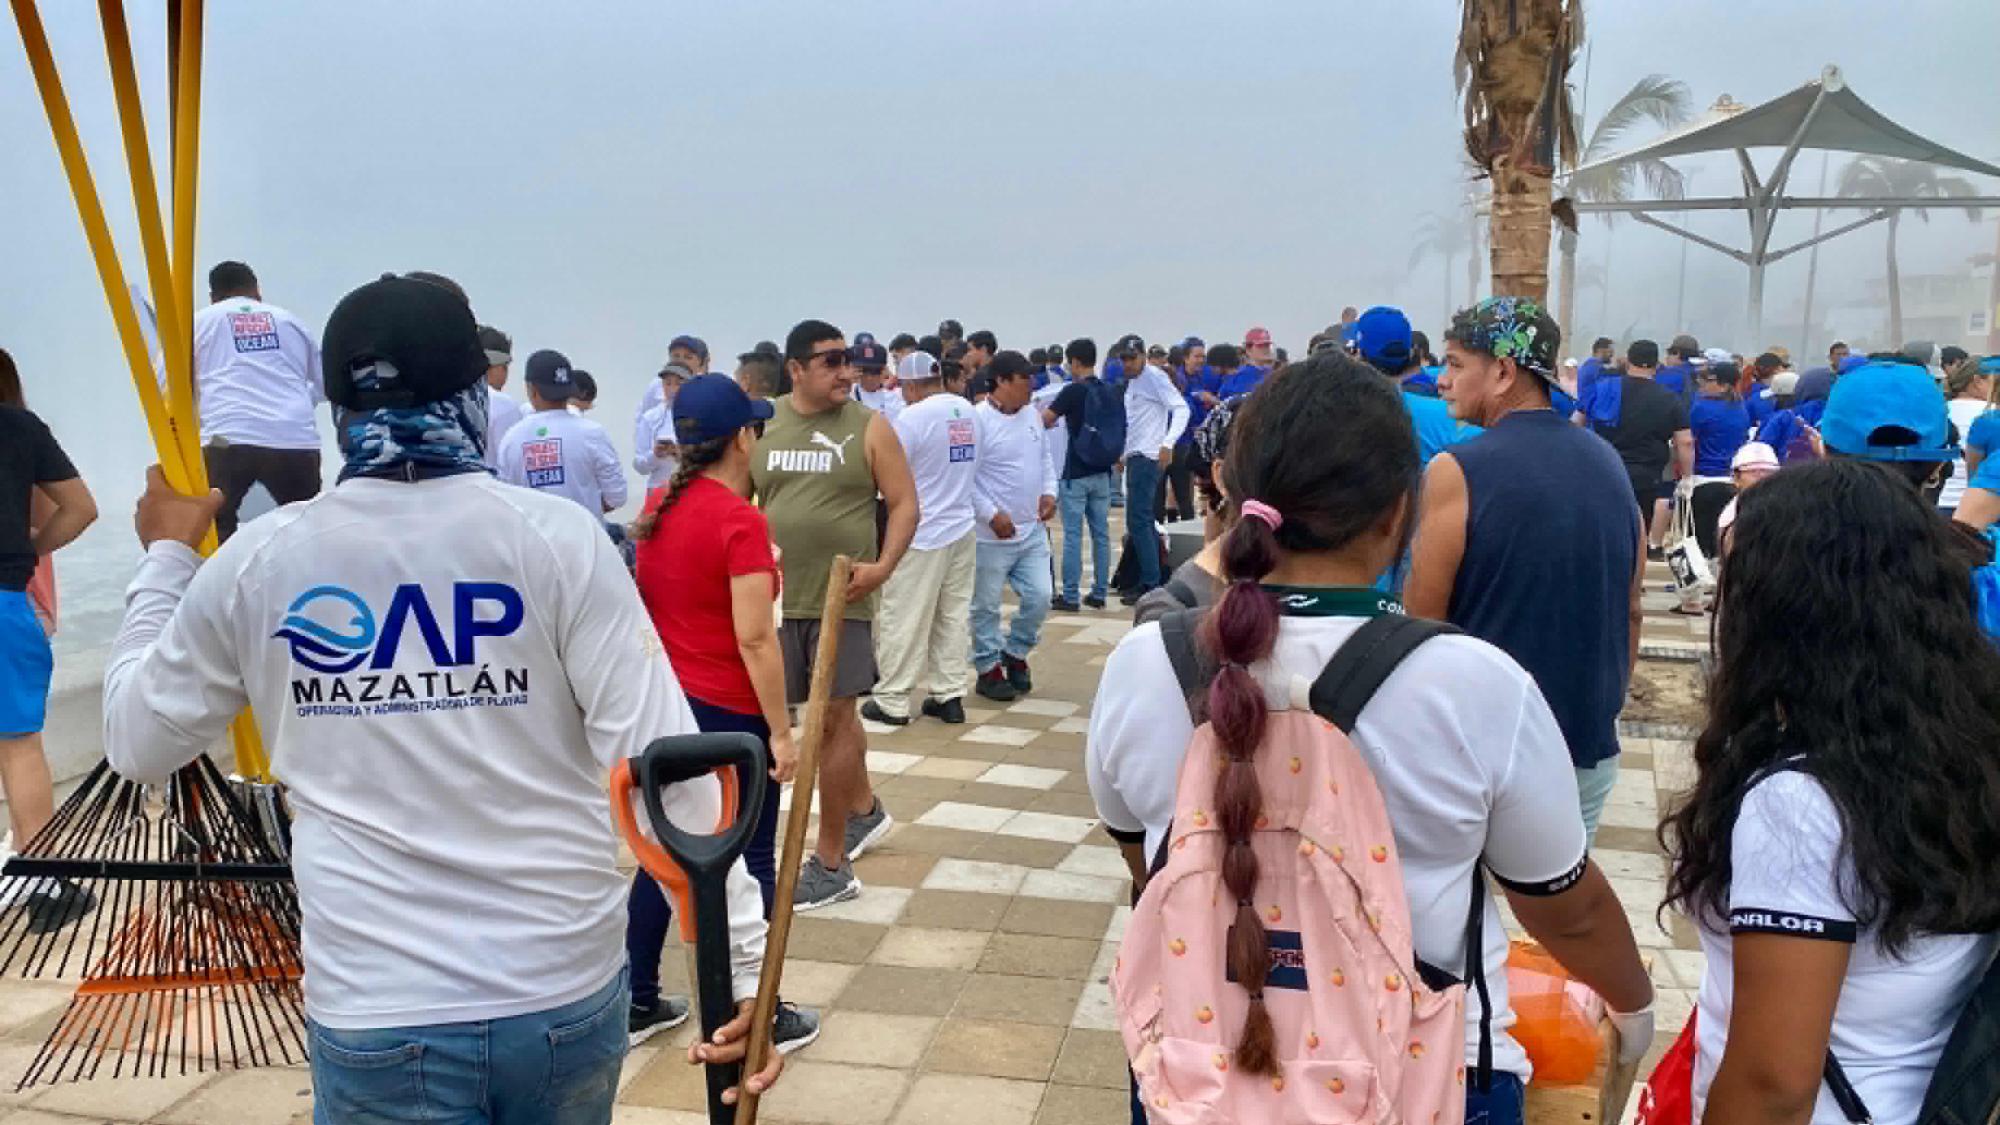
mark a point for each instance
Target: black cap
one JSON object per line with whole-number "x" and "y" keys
{"x": 550, "y": 374}
{"x": 1769, "y": 361}
{"x": 400, "y": 342}
{"x": 1007, "y": 365}
{"x": 1685, "y": 346}
{"x": 951, "y": 328}
{"x": 765, "y": 349}
{"x": 1951, "y": 354}
{"x": 1642, "y": 353}
{"x": 1130, "y": 345}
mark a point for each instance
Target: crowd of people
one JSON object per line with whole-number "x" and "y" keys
{"x": 449, "y": 648}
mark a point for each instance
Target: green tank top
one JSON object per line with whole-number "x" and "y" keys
{"x": 812, "y": 477}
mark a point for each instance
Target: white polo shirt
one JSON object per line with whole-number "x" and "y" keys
{"x": 558, "y": 452}
{"x": 1014, "y": 471}
{"x": 655, "y": 425}
{"x": 888, "y": 402}
{"x": 940, "y": 436}
{"x": 257, "y": 376}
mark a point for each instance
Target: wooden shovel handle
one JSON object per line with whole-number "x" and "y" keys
{"x": 831, "y": 616}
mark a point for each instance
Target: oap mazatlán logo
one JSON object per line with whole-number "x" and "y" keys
{"x": 332, "y": 630}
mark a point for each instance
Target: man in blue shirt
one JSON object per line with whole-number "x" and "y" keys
{"x": 1382, "y": 336}
{"x": 1258, "y": 357}
{"x": 1677, "y": 374}
{"x": 1561, "y": 598}
{"x": 1603, "y": 351}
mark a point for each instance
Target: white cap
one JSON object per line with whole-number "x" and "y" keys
{"x": 1754, "y": 455}
{"x": 918, "y": 366}
{"x": 1714, "y": 356}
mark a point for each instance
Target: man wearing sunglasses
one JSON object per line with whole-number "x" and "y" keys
{"x": 823, "y": 459}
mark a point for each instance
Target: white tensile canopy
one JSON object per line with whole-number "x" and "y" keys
{"x": 1824, "y": 115}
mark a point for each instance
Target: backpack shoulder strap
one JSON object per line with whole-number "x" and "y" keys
{"x": 1369, "y": 656}
{"x": 1192, "y": 669}
{"x": 1182, "y": 592}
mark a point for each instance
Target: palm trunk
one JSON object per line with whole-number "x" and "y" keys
{"x": 1566, "y": 296}
{"x": 1895, "y": 289}
{"x": 1472, "y": 263}
{"x": 1520, "y": 230}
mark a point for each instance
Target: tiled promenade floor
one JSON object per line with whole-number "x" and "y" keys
{"x": 967, "y": 985}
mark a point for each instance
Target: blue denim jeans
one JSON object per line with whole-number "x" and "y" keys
{"x": 558, "y": 1067}
{"x": 1086, "y": 497}
{"x": 1593, "y": 788}
{"x": 1142, "y": 481}
{"x": 1023, "y": 564}
{"x": 1505, "y": 1104}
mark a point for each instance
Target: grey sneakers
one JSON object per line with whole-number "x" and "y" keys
{"x": 820, "y": 887}
{"x": 867, "y": 830}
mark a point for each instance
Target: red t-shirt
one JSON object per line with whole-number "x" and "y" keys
{"x": 708, "y": 537}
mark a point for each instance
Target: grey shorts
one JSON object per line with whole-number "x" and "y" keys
{"x": 853, "y": 669}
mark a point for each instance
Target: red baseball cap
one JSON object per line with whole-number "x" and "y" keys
{"x": 1257, "y": 337}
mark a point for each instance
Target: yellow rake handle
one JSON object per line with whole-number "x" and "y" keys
{"x": 175, "y": 428}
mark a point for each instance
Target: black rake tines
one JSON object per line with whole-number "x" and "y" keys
{"x": 191, "y": 959}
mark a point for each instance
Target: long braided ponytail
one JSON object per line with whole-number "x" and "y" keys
{"x": 694, "y": 460}
{"x": 1328, "y": 444}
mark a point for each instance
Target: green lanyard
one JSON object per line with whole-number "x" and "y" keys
{"x": 1333, "y": 601}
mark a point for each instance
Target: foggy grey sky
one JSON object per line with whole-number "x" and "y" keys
{"x": 604, "y": 176}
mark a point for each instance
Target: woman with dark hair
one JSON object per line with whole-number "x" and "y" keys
{"x": 709, "y": 579}
{"x": 44, "y": 505}
{"x": 1837, "y": 849}
{"x": 1470, "y": 763}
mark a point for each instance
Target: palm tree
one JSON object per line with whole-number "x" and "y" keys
{"x": 1655, "y": 98}
{"x": 1879, "y": 177}
{"x": 1446, "y": 236}
{"x": 1512, "y": 61}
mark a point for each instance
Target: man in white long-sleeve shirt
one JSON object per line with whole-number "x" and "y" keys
{"x": 552, "y": 450}
{"x": 445, "y": 667}
{"x": 257, "y": 384}
{"x": 1155, "y": 415}
{"x": 655, "y": 450}
{"x": 1013, "y": 492}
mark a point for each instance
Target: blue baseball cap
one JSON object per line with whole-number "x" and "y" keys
{"x": 1382, "y": 335}
{"x": 1886, "y": 410}
{"x": 694, "y": 344}
{"x": 713, "y": 406}
{"x": 549, "y": 372}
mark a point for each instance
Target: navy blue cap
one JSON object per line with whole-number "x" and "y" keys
{"x": 863, "y": 338}
{"x": 550, "y": 374}
{"x": 694, "y": 344}
{"x": 1888, "y": 411}
{"x": 713, "y": 406}
{"x": 1382, "y": 336}
{"x": 868, "y": 354}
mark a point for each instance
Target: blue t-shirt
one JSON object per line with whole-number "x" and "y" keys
{"x": 1720, "y": 429}
{"x": 1424, "y": 382}
{"x": 1761, "y": 405}
{"x": 1243, "y": 382}
{"x": 1603, "y": 402}
{"x": 1785, "y": 433}
{"x": 1988, "y": 476}
{"x": 1436, "y": 429}
{"x": 1588, "y": 372}
{"x": 1561, "y": 403}
{"x": 1984, "y": 435}
{"x": 1203, "y": 380}
{"x": 1675, "y": 378}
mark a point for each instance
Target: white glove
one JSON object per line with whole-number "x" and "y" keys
{"x": 1635, "y": 1033}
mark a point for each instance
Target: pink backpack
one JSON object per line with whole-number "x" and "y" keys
{"x": 1364, "y": 1031}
